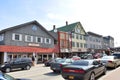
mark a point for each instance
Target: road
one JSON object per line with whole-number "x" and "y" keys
{"x": 40, "y": 72}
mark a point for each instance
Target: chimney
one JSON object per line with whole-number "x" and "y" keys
{"x": 53, "y": 27}
{"x": 66, "y": 23}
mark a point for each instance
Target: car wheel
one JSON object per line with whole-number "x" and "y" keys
{"x": 27, "y": 67}
{"x": 115, "y": 66}
{"x": 92, "y": 76}
{"x": 7, "y": 70}
{"x": 104, "y": 72}
{"x": 54, "y": 71}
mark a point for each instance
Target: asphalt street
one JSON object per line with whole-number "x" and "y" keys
{"x": 40, "y": 72}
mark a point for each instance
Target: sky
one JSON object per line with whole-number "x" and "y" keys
{"x": 98, "y": 16}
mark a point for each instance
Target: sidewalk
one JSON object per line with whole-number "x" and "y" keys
{"x": 114, "y": 75}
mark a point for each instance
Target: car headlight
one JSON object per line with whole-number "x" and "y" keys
{"x": 2, "y": 65}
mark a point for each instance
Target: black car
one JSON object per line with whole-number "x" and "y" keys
{"x": 83, "y": 70}
{"x": 18, "y": 63}
{"x": 4, "y": 76}
{"x": 49, "y": 62}
{"x": 56, "y": 66}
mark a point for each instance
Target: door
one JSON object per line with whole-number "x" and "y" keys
{"x": 1, "y": 57}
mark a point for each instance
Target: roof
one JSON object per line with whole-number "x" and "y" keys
{"x": 54, "y": 34}
{"x": 7, "y": 48}
{"x": 24, "y": 24}
{"x": 94, "y": 34}
{"x": 69, "y": 27}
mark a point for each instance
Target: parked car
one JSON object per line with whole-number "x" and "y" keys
{"x": 87, "y": 56}
{"x": 75, "y": 58}
{"x": 49, "y": 62}
{"x": 18, "y": 63}
{"x": 97, "y": 55}
{"x": 117, "y": 54}
{"x": 110, "y": 61}
{"x": 83, "y": 70}
{"x": 4, "y": 76}
{"x": 56, "y": 66}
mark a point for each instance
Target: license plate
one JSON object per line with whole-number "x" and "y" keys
{"x": 71, "y": 77}
{"x": 54, "y": 68}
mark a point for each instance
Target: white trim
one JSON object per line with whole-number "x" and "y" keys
{"x": 20, "y": 36}
{"x": 40, "y": 40}
{"x": 26, "y": 38}
{"x": 5, "y": 57}
{"x": 48, "y": 42}
{"x": 1, "y": 37}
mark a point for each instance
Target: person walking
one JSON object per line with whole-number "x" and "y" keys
{"x": 33, "y": 60}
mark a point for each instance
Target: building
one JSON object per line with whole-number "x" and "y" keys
{"x": 94, "y": 41}
{"x": 98, "y": 43}
{"x": 108, "y": 42}
{"x": 26, "y": 40}
{"x": 71, "y": 39}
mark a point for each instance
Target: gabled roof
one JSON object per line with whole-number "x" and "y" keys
{"x": 69, "y": 27}
{"x": 24, "y": 24}
{"x": 54, "y": 34}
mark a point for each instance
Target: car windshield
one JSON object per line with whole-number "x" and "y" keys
{"x": 107, "y": 57}
{"x": 60, "y": 60}
{"x": 81, "y": 63}
{"x": 8, "y": 77}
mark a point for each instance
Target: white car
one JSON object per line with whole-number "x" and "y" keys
{"x": 110, "y": 61}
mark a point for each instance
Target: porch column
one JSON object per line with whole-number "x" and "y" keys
{"x": 5, "y": 57}
{"x": 47, "y": 56}
{"x": 34, "y": 54}
{"x": 53, "y": 55}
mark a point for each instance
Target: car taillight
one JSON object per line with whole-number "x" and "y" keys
{"x": 110, "y": 61}
{"x": 60, "y": 65}
{"x": 74, "y": 71}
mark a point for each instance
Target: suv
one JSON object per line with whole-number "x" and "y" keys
{"x": 22, "y": 63}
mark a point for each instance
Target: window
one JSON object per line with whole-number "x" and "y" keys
{"x": 73, "y": 44}
{"x": 81, "y": 37}
{"x": 29, "y": 38}
{"x": 73, "y": 35}
{"x": 17, "y": 37}
{"x": 81, "y": 45}
{"x": 47, "y": 41}
{"x": 76, "y": 36}
{"x": 1, "y": 37}
{"x": 39, "y": 39}
{"x": 78, "y": 44}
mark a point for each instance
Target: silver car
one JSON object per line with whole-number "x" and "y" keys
{"x": 110, "y": 61}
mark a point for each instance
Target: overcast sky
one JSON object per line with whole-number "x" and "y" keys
{"x": 98, "y": 16}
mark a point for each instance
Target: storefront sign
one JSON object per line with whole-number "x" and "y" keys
{"x": 33, "y": 44}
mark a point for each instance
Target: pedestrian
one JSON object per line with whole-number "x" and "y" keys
{"x": 33, "y": 60}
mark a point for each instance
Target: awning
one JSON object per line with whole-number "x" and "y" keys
{"x": 7, "y": 48}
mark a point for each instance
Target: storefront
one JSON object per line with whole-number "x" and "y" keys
{"x": 8, "y": 53}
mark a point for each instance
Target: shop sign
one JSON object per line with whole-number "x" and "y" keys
{"x": 33, "y": 44}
